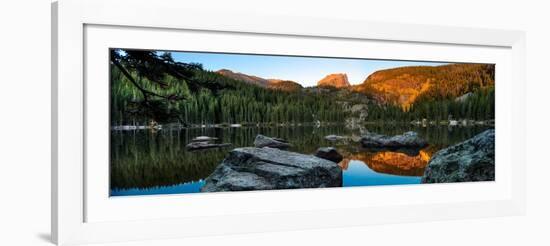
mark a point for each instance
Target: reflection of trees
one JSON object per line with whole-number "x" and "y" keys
{"x": 143, "y": 160}
{"x": 140, "y": 159}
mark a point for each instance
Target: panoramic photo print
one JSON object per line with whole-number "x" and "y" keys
{"x": 195, "y": 122}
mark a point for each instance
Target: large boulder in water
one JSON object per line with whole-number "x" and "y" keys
{"x": 471, "y": 160}
{"x": 263, "y": 141}
{"x": 329, "y": 153}
{"x": 268, "y": 168}
{"x": 406, "y": 140}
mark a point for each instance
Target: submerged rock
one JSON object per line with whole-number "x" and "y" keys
{"x": 264, "y": 141}
{"x": 204, "y": 145}
{"x": 329, "y": 153}
{"x": 204, "y": 139}
{"x": 406, "y": 140}
{"x": 268, "y": 168}
{"x": 334, "y": 137}
{"x": 471, "y": 160}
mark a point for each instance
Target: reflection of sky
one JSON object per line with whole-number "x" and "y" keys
{"x": 359, "y": 174}
{"x": 192, "y": 187}
{"x": 304, "y": 70}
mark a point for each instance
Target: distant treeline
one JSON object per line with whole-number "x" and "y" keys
{"x": 480, "y": 105}
{"x": 233, "y": 102}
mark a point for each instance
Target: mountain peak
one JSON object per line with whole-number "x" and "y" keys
{"x": 244, "y": 77}
{"x": 273, "y": 84}
{"x": 405, "y": 85}
{"x": 284, "y": 85}
{"x": 336, "y": 80}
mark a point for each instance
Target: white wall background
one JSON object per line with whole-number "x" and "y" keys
{"x": 25, "y": 122}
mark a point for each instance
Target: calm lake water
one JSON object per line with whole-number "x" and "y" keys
{"x": 146, "y": 163}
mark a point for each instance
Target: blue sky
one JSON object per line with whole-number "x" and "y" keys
{"x": 304, "y": 70}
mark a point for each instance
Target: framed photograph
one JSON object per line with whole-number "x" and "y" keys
{"x": 171, "y": 125}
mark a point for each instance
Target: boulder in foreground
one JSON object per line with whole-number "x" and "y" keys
{"x": 471, "y": 160}
{"x": 406, "y": 140}
{"x": 268, "y": 168}
{"x": 329, "y": 153}
{"x": 263, "y": 141}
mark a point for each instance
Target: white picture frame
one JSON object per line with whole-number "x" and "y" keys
{"x": 83, "y": 29}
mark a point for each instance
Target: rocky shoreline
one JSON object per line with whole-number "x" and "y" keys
{"x": 268, "y": 165}
{"x": 406, "y": 140}
{"x": 471, "y": 160}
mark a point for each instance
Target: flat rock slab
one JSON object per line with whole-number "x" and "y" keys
{"x": 335, "y": 138}
{"x": 204, "y": 145}
{"x": 471, "y": 160}
{"x": 406, "y": 140}
{"x": 203, "y": 139}
{"x": 264, "y": 141}
{"x": 269, "y": 168}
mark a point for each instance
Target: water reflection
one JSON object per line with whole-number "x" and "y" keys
{"x": 390, "y": 162}
{"x": 188, "y": 187}
{"x": 359, "y": 174}
{"x": 144, "y": 162}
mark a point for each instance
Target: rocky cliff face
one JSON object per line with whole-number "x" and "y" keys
{"x": 405, "y": 85}
{"x": 337, "y": 80}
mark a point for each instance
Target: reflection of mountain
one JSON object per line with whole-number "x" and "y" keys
{"x": 392, "y": 162}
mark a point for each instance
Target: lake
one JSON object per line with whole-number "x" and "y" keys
{"x": 145, "y": 162}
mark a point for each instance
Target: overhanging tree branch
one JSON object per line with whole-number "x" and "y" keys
{"x": 143, "y": 91}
